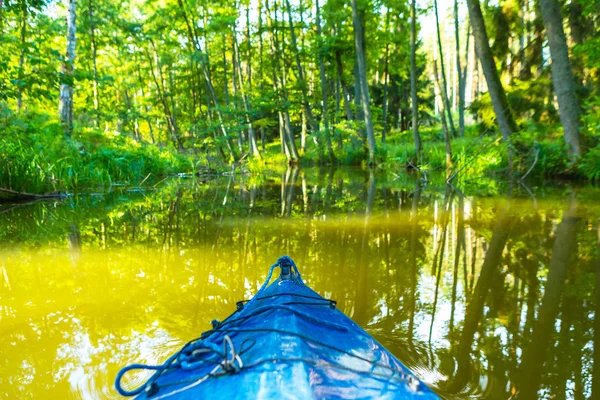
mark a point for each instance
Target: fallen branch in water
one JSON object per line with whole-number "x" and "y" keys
{"x": 13, "y": 195}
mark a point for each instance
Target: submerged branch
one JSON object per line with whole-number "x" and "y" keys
{"x": 7, "y": 195}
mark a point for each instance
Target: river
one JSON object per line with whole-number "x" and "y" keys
{"x": 484, "y": 292}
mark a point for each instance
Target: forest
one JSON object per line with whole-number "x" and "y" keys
{"x": 95, "y": 93}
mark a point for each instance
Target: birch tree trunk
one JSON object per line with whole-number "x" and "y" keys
{"x": 413, "y": 80}
{"x": 504, "y": 116}
{"x": 362, "y": 78}
{"x": 562, "y": 76}
{"x": 65, "y": 106}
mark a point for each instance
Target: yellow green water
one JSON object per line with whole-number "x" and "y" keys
{"x": 95, "y": 282}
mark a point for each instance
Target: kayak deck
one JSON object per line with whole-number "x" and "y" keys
{"x": 286, "y": 342}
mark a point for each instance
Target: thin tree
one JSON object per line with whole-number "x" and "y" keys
{"x": 287, "y": 135}
{"x": 461, "y": 72}
{"x": 413, "y": 80}
{"x": 443, "y": 116}
{"x": 325, "y": 114}
{"x": 302, "y": 82}
{"x": 386, "y": 75}
{"x": 160, "y": 88}
{"x": 444, "y": 92}
{"x": 562, "y": 76}
{"x": 504, "y": 116}
{"x": 94, "y": 64}
{"x": 237, "y": 66}
{"x": 196, "y": 47}
{"x": 260, "y": 67}
{"x": 22, "y": 56}
{"x": 343, "y": 83}
{"x": 65, "y": 106}
{"x": 362, "y": 81}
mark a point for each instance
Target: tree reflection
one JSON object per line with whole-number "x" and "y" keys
{"x": 487, "y": 298}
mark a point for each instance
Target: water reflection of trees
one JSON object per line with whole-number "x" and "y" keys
{"x": 482, "y": 297}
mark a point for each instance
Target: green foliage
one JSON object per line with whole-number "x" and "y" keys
{"x": 165, "y": 75}
{"x": 528, "y": 101}
{"x": 38, "y": 158}
{"x": 590, "y": 164}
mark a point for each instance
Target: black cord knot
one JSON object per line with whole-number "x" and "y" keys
{"x": 151, "y": 389}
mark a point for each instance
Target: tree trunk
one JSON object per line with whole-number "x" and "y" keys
{"x": 158, "y": 81}
{"x": 325, "y": 113}
{"x": 234, "y": 92}
{"x": 279, "y": 85}
{"x": 385, "y": 79}
{"x": 413, "y": 80}
{"x": 65, "y": 106}
{"x": 562, "y": 76}
{"x": 462, "y": 78}
{"x": 225, "y": 76}
{"x": 362, "y": 78}
{"x": 301, "y": 81}
{"x": 260, "y": 66}
{"x": 283, "y": 139}
{"x": 444, "y": 92}
{"x": 345, "y": 90}
{"x": 195, "y": 47}
{"x": 22, "y": 57}
{"x": 443, "y": 114}
{"x": 249, "y": 53}
{"x": 94, "y": 66}
{"x": 251, "y": 135}
{"x": 504, "y": 116}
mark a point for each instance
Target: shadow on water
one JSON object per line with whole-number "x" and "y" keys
{"x": 486, "y": 294}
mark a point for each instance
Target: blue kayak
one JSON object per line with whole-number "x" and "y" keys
{"x": 287, "y": 342}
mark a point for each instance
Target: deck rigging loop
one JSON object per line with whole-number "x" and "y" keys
{"x": 191, "y": 356}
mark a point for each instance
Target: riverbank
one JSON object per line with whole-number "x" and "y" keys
{"x": 539, "y": 152}
{"x": 38, "y": 158}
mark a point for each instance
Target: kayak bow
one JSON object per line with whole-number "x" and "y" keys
{"x": 286, "y": 342}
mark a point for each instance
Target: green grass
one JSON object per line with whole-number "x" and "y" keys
{"x": 37, "y": 157}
